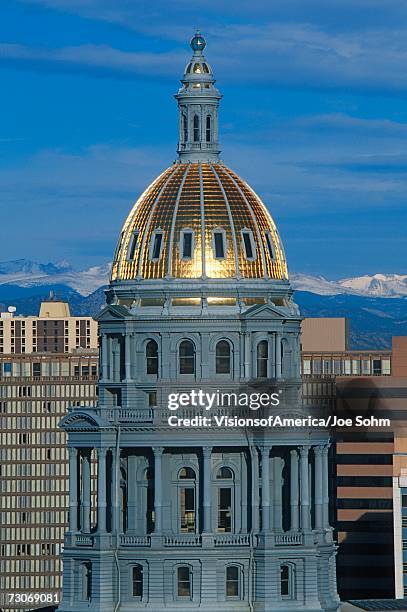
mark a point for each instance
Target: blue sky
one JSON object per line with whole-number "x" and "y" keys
{"x": 314, "y": 117}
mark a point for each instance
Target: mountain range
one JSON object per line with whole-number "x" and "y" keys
{"x": 375, "y": 304}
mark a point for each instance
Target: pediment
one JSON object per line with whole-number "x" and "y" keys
{"x": 264, "y": 311}
{"x": 82, "y": 421}
{"x": 112, "y": 312}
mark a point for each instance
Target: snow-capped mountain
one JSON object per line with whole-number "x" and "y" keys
{"x": 25, "y": 273}
{"x": 380, "y": 285}
{"x": 376, "y": 285}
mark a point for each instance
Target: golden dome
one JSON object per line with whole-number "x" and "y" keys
{"x": 191, "y": 205}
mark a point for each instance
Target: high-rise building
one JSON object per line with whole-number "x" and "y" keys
{"x": 36, "y": 389}
{"x": 369, "y": 478}
{"x": 197, "y": 515}
{"x": 54, "y": 330}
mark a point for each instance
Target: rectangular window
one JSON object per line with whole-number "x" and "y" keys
{"x": 219, "y": 245}
{"x": 270, "y": 247}
{"x": 132, "y": 246}
{"x": 186, "y": 244}
{"x": 232, "y": 581}
{"x": 187, "y": 509}
{"x": 156, "y": 246}
{"x": 386, "y": 370}
{"x": 366, "y": 367}
{"x": 377, "y": 367}
{"x": 306, "y": 366}
{"x": 249, "y": 246}
{"x": 225, "y": 510}
{"x": 184, "y": 582}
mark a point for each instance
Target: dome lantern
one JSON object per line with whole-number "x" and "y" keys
{"x": 198, "y": 102}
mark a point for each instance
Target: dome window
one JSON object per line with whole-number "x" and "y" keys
{"x": 188, "y": 70}
{"x": 219, "y": 244}
{"x": 156, "y": 245}
{"x": 197, "y": 69}
{"x": 205, "y": 68}
{"x": 208, "y": 128}
{"x": 270, "y": 245}
{"x": 196, "y": 129}
{"x": 186, "y": 244}
{"x": 249, "y": 244}
{"x": 132, "y": 245}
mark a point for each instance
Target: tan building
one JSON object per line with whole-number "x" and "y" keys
{"x": 36, "y": 389}
{"x": 53, "y": 331}
{"x": 371, "y": 466}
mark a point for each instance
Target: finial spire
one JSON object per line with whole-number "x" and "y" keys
{"x": 198, "y": 102}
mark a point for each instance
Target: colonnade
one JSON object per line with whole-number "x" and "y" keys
{"x": 308, "y": 489}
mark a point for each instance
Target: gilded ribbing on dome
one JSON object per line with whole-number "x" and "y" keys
{"x": 199, "y": 198}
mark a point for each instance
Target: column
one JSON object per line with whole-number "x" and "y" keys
{"x": 255, "y": 489}
{"x": 318, "y": 477}
{"x": 325, "y": 488}
{"x": 115, "y": 489}
{"x": 127, "y": 355}
{"x": 132, "y": 493}
{"x": 102, "y": 490}
{"x": 278, "y": 493}
{"x": 305, "y": 510}
{"x": 294, "y": 490}
{"x": 265, "y": 487}
{"x": 271, "y": 362}
{"x": 207, "y": 492}
{"x": 73, "y": 490}
{"x": 104, "y": 357}
{"x": 158, "y": 454}
{"x": 247, "y": 352}
{"x": 85, "y": 525}
{"x": 278, "y": 354}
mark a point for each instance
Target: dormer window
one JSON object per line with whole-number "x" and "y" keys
{"x": 219, "y": 244}
{"x": 156, "y": 245}
{"x": 186, "y": 244}
{"x": 131, "y": 251}
{"x": 270, "y": 245}
{"x": 249, "y": 244}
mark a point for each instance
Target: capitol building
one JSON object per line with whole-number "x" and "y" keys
{"x": 209, "y": 518}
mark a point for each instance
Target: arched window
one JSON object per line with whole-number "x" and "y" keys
{"x": 185, "y": 127}
{"x": 225, "y": 499}
{"x": 262, "y": 358}
{"x": 224, "y": 473}
{"x": 233, "y": 589}
{"x": 187, "y": 500}
{"x": 186, "y": 357}
{"x": 287, "y": 581}
{"x": 137, "y": 581}
{"x": 186, "y": 473}
{"x": 208, "y": 128}
{"x": 223, "y": 357}
{"x": 152, "y": 357}
{"x": 196, "y": 129}
{"x": 86, "y": 576}
{"x": 184, "y": 581}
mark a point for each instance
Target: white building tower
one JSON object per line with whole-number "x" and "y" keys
{"x": 209, "y": 517}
